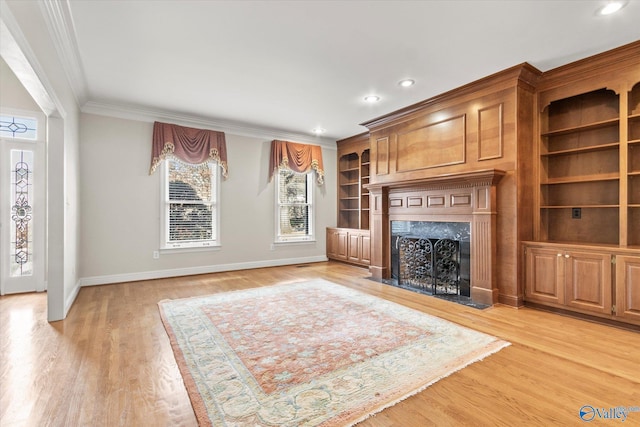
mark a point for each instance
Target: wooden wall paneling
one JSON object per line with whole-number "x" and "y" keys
{"x": 379, "y": 232}
{"x": 437, "y": 144}
{"x": 490, "y": 136}
{"x": 382, "y": 156}
{"x": 482, "y": 260}
{"x": 527, "y": 191}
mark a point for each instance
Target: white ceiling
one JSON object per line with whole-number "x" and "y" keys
{"x": 296, "y": 65}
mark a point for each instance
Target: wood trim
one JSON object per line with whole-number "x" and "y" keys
{"x": 611, "y": 60}
{"x": 522, "y": 74}
{"x": 478, "y": 178}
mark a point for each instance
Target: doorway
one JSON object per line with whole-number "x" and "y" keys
{"x": 22, "y": 202}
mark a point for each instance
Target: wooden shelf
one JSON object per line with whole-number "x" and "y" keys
{"x": 580, "y": 206}
{"x": 353, "y": 172}
{"x": 634, "y": 116}
{"x": 582, "y": 150}
{"x": 580, "y": 179}
{"x": 634, "y": 141}
{"x": 582, "y": 128}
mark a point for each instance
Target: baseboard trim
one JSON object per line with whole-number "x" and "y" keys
{"x": 189, "y": 271}
{"x": 71, "y": 298}
{"x": 510, "y": 300}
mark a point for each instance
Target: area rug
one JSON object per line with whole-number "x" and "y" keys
{"x": 309, "y": 354}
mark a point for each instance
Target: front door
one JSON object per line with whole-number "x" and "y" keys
{"x": 22, "y": 203}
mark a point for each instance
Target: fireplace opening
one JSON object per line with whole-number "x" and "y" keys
{"x": 431, "y": 257}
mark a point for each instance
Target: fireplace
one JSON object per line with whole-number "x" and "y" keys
{"x": 412, "y": 207}
{"x": 431, "y": 257}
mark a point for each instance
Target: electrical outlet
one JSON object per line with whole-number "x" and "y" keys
{"x": 156, "y": 254}
{"x": 576, "y": 213}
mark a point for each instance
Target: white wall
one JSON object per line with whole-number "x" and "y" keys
{"x": 120, "y": 224}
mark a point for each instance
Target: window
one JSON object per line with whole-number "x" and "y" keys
{"x": 13, "y": 127}
{"x": 190, "y": 205}
{"x": 294, "y": 216}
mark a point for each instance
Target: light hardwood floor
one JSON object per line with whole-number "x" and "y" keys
{"x": 110, "y": 363}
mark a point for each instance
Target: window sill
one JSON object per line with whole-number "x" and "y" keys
{"x": 187, "y": 249}
{"x": 293, "y": 242}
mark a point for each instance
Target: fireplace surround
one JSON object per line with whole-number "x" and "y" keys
{"x": 431, "y": 257}
{"x": 468, "y": 197}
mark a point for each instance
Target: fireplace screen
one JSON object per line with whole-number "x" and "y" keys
{"x": 432, "y": 265}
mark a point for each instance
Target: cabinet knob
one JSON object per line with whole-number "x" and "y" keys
{"x": 559, "y": 254}
{"x": 566, "y": 255}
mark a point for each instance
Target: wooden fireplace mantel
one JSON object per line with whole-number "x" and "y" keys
{"x": 484, "y": 177}
{"x": 462, "y": 197}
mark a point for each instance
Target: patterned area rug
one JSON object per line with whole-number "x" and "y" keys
{"x": 309, "y": 354}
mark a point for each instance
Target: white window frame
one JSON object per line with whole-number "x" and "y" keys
{"x": 283, "y": 238}
{"x": 165, "y": 245}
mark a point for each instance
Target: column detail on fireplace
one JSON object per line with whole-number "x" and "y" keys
{"x": 432, "y": 265}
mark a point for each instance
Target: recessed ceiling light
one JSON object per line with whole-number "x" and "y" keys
{"x": 406, "y": 82}
{"x": 611, "y": 7}
{"x": 318, "y": 131}
{"x": 372, "y": 98}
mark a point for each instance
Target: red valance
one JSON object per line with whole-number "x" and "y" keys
{"x": 297, "y": 157}
{"x": 190, "y": 145}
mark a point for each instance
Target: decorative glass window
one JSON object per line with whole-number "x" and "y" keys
{"x": 13, "y": 127}
{"x": 294, "y": 214}
{"x": 21, "y": 224}
{"x": 190, "y": 205}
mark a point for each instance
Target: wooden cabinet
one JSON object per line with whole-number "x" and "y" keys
{"x": 351, "y": 241}
{"x": 348, "y": 244}
{"x": 587, "y": 279}
{"x": 337, "y": 244}
{"x": 588, "y": 178}
{"x": 568, "y": 277}
{"x": 544, "y": 275}
{"x": 628, "y": 288}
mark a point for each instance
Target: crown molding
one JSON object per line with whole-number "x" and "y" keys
{"x": 59, "y": 20}
{"x": 144, "y": 114}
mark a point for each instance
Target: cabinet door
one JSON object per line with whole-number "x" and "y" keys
{"x": 332, "y": 243}
{"x": 366, "y": 249}
{"x": 544, "y": 276}
{"x": 355, "y": 244}
{"x": 341, "y": 237}
{"x": 588, "y": 281}
{"x": 628, "y": 287}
